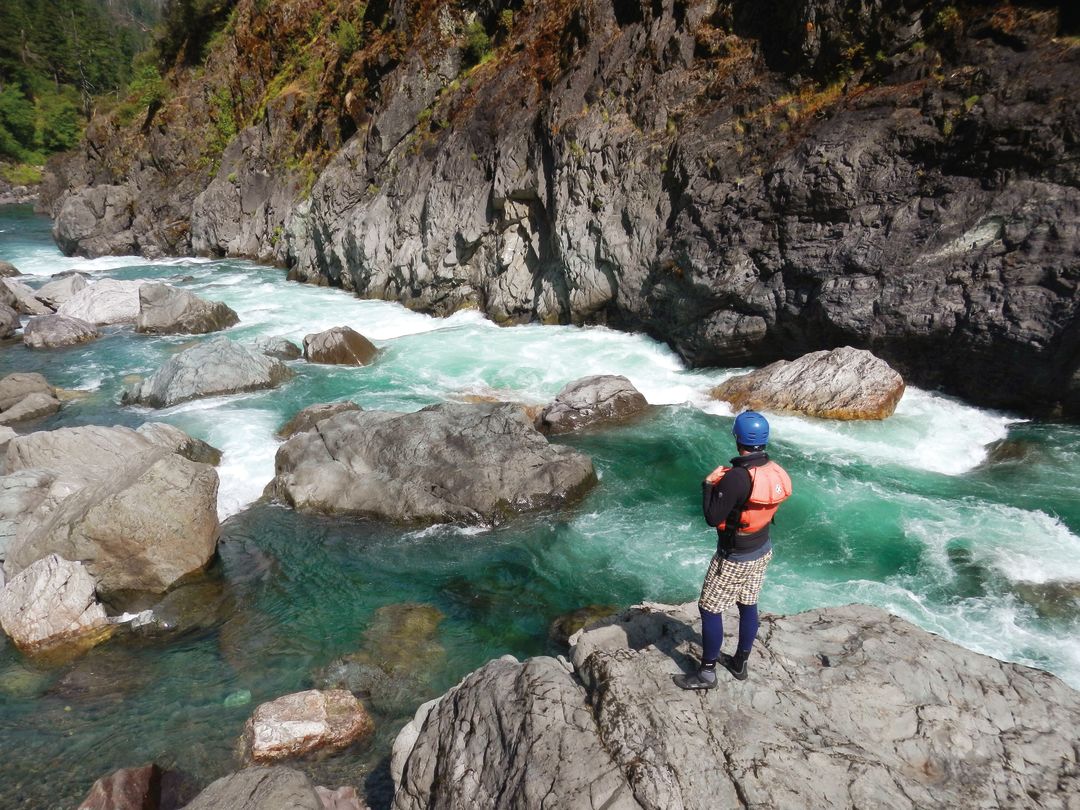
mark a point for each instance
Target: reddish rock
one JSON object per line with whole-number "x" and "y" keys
{"x": 339, "y": 346}
{"x": 126, "y": 789}
{"x": 303, "y": 722}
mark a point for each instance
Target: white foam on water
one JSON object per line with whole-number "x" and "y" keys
{"x": 46, "y": 262}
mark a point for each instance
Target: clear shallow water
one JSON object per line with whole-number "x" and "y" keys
{"x": 898, "y": 514}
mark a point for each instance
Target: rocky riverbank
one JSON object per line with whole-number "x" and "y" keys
{"x": 747, "y": 182}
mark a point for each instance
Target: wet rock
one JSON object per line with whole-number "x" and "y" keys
{"x": 569, "y": 623}
{"x": 310, "y": 416}
{"x": 21, "y": 680}
{"x": 279, "y": 347}
{"x": 8, "y": 270}
{"x": 138, "y": 515}
{"x": 841, "y": 384}
{"x": 177, "y": 441}
{"x": 126, "y": 789}
{"x": 339, "y": 346}
{"x": 927, "y": 719}
{"x": 216, "y": 367}
{"x": 302, "y": 723}
{"x": 1051, "y": 600}
{"x": 60, "y": 290}
{"x": 33, "y": 406}
{"x": 591, "y": 400}
{"x": 165, "y": 310}
{"x": 14, "y": 387}
{"x": 259, "y": 789}
{"x": 394, "y": 667}
{"x": 450, "y": 462}
{"x": 111, "y": 673}
{"x": 55, "y": 331}
{"x": 1009, "y": 451}
{"x": 21, "y": 298}
{"x": 190, "y": 607}
{"x": 105, "y": 302}
{"x": 9, "y": 321}
{"x": 51, "y": 608}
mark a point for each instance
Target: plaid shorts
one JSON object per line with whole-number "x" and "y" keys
{"x": 729, "y": 582}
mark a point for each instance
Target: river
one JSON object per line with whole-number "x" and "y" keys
{"x": 907, "y": 514}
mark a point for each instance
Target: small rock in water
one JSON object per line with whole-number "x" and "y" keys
{"x": 241, "y": 697}
{"x": 589, "y": 401}
{"x": 339, "y": 346}
{"x": 305, "y": 722}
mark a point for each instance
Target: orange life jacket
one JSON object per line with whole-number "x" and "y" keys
{"x": 769, "y": 487}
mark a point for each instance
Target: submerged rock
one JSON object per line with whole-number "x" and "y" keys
{"x": 590, "y": 400}
{"x": 216, "y": 367}
{"x": 60, "y": 290}
{"x": 259, "y": 789}
{"x": 165, "y": 310}
{"x": 126, "y": 789}
{"x": 450, "y": 462}
{"x": 50, "y": 608}
{"x": 844, "y": 707}
{"x": 309, "y": 417}
{"x": 569, "y": 623}
{"x": 137, "y": 514}
{"x": 339, "y": 346}
{"x": 56, "y": 331}
{"x": 105, "y": 302}
{"x": 843, "y": 384}
{"x": 302, "y": 723}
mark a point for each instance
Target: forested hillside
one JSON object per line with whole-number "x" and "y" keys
{"x": 57, "y": 58}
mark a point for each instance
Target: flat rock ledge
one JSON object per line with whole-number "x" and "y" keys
{"x": 844, "y": 707}
{"x": 52, "y": 604}
{"x": 591, "y": 400}
{"x": 216, "y": 367}
{"x": 446, "y": 463}
{"x": 305, "y": 722}
{"x": 165, "y": 310}
{"x": 339, "y": 346}
{"x": 844, "y": 384}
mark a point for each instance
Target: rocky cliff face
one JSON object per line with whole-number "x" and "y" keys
{"x": 746, "y": 181}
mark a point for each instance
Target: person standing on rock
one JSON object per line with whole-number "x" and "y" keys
{"x": 740, "y": 502}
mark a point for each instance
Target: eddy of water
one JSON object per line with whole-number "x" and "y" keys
{"x": 910, "y": 514}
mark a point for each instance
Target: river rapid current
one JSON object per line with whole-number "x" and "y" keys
{"x": 912, "y": 514}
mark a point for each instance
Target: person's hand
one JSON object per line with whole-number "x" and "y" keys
{"x": 715, "y": 476}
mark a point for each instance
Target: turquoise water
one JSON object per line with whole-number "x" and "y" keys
{"x": 903, "y": 514}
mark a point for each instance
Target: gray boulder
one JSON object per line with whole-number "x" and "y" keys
{"x": 279, "y": 347}
{"x": 7, "y": 270}
{"x": 9, "y": 321}
{"x": 52, "y": 605}
{"x": 844, "y": 707}
{"x": 60, "y": 290}
{"x": 138, "y": 515}
{"x": 55, "y": 331}
{"x": 452, "y": 462}
{"x": 165, "y": 310}
{"x": 105, "y": 302}
{"x": 177, "y": 441}
{"x": 6, "y": 435}
{"x": 310, "y": 416}
{"x": 216, "y": 367}
{"x": 33, "y": 406}
{"x": 339, "y": 346}
{"x": 15, "y": 386}
{"x": 601, "y": 398}
{"x": 844, "y": 383}
{"x": 21, "y": 298}
{"x": 275, "y": 788}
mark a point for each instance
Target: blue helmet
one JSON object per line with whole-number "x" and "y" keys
{"x": 751, "y": 429}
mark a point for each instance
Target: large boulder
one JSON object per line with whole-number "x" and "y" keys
{"x": 304, "y": 722}
{"x": 21, "y": 298}
{"x": 339, "y": 346}
{"x": 9, "y": 320}
{"x": 844, "y": 383}
{"x": 451, "y": 462}
{"x": 309, "y": 417}
{"x": 601, "y": 398}
{"x": 60, "y": 290}
{"x": 137, "y": 514}
{"x": 32, "y": 406}
{"x": 25, "y": 396}
{"x": 844, "y": 707}
{"x": 165, "y": 310}
{"x": 55, "y": 331}
{"x": 105, "y": 302}
{"x": 259, "y": 789}
{"x": 216, "y": 367}
{"x": 52, "y": 605}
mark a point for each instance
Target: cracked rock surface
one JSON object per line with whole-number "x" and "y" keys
{"x": 844, "y": 707}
